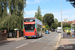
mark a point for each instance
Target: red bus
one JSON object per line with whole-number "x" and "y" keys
{"x": 32, "y": 27}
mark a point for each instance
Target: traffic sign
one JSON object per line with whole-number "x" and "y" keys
{"x": 43, "y": 26}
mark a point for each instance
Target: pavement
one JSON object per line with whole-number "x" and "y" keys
{"x": 66, "y": 36}
{"x": 47, "y": 42}
{"x": 67, "y": 43}
{"x": 11, "y": 40}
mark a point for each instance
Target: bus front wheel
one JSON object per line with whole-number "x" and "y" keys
{"x": 26, "y": 37}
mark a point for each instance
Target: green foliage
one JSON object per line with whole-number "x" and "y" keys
{"x": 59, "y": 24}
{"x": 66, "y": 25}
{"x": 55, "y": 24}
{"x": 66, "y": 28}
{"x": 72, "y": 2}
{"x": 55, "y": 21}
{"x": 38, "y": 14}
{"x": 48, "y": 19}
{"x": 15, "y": 20}
{"x": 17, "y": 13}
{"x": 3, "y": 13}
{"x": 61, "y": 38}
{"x": 46, "y": 27}
{"x": 18, "y": 6}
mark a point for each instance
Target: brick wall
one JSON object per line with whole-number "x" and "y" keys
{"x": 3, "y": 35}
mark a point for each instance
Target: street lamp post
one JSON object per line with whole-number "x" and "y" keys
{"x": 61, "y": 21}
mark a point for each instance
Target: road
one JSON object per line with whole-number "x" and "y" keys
{"x": 47, "y": 42}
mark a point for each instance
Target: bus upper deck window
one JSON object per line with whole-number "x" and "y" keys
{"x": 32, "y": 20}
{"x": 29, "y": 20}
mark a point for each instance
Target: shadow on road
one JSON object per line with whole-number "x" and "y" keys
{"x": 5, "y": 43}
{"x": 67, "y": 47}
{"x": 35, "y": 38}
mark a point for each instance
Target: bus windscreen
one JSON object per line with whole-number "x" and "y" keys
{"x": 29, "y": 27}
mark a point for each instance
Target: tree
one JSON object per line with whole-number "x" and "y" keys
{"x": 72, "y": 2}
{"x": 3, "y": 13}
{"x": 46, "y": 27}
{"x": 1, "y": 10}
{"x": 15, "y": 20}
{"x": 38, "y": 14}
{"x": 48, "y": 19}
{"x": 59, "y": 24}
{"x": 55, "y": 24}
{"x": 16, "y": 8}
{"x": 55, "y": 21}
{"x": 66, "y": 25}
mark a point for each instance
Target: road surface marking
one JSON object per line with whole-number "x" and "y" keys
{"x": 21, "y": 45}
{"x": 57, "y": 45}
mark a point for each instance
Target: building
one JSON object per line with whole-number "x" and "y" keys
{"x": 73, "y": 24}
{"x": 65, "y": 21}
{"x": 70, "y": 22}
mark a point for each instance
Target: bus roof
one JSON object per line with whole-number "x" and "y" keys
{"x": 29, "y": 17}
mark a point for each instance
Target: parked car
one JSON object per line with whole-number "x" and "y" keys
{"x": 59, "y": 29}
{"x": 46, "y": 32}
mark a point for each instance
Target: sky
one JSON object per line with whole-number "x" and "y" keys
{"x": 50, "y": 6}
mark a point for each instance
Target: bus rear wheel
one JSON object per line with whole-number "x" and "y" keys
{"x": 41, "y": 35}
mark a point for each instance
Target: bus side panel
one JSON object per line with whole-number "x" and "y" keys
{"x": 35, "y": 28}
{"x": 38, "y": 26}
{"x": 39, "y": 29}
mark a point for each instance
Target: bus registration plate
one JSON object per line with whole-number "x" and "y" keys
{"x": 29, "y": 36}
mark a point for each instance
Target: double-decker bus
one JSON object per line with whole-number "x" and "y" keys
{"x": 32, "y": 27}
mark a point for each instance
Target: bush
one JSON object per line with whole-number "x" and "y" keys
{"x": 66, "y": 28}
{"x": 46, "y": 27}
